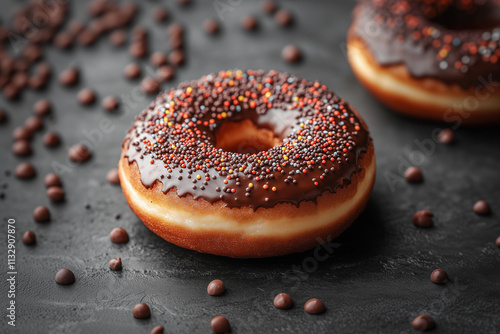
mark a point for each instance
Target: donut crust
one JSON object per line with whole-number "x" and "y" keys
{"x": 242, "y": 232}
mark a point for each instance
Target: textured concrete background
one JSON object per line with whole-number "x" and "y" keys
{"x": 375, "y": 281}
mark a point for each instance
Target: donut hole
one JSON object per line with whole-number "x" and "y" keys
{"x": 245, "y": 137}
{"x": 483, "y": 17}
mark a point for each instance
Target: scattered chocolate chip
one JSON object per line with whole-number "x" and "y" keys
{"x": 439, "y": 276}
{"x": 119, "y": 235}
{"x": 69, "y": 77}
{"x": 283, "y": 17}
{"x": 158, "y": 59}
{"x": 87, "y": 206}
{"x": 118, "y": 37}
{"x": 413, "y": 175}
{"x": 96, "y": 7}
{"x": 87, "y": 37}
{"x": 76, "y": 27}
{"x": 51, "y": 139}
{"x": 21, "y": 147}
{"x": 165, "y": 73}
{"x": 42, "y": 108}
{"x": 423, "y": 218}
{"x": 497, "y": 242}
{"x": 65, "y": 277}
{"x": 177, "y": 57}
{"x": 22, "y": 132}
{"x": 113, "y": 20}
{"x": 56, "y": 194}
{"x": 216, "y": 287}
{"x": 117, "y": 216}
{"x": 4, "y": 80}
{"x": 113, "y": 177}
{"x": 446, "y": 136}
{"x": 29, "y": 238}
{"x": 132, "y": 71}
{"x": 158, "y": 330}
{"x": 139, "y": 33}
{"x": 21, "y": 65}
{"x": 25, "y": 171}
{"x": 150, "y": 85}
{"x": 4, "y": 34}
{"x": 31, "y": 53}
{"x": 314, "y": 306}
{"x": 211, "y": 26}
{"x": 79, "y": 153}
{"x": 269, "y": 7}
{"x": 34, "y": 123}
{"x": 11, "y": 92}
{"x": 184, "y": 2}
{"x": 175, "y": 30}
{"x": 220, "y": 324}
{"x": 423, "y": 323}
{"x": 64, "y": 40}
{"x": 141, "y": 311}
{"x": 3, "y": 116}
{"x": 52, "y": 180}
{"x": 86, "y": 96}
{"x": 43, "y": 70}
{"x": 41, "y": 214}
{"x": 20, "y": 79}
{"x": 291, "y": 54}
{"x": 98, "y": 27}
{"x": 160, "y": 14}
{"x": 6, "y": 65}
{"x": 115, "y": 264}
{"x": 110, "y": 103}
{"x": 249, "y": 22}
{"x": 176, "y": 42}
{"x": 138, "y": 49}
{"x": 37, "y": 82}
{"x": 129, "y": 9}
{"x": 283, "y": 301}
{"x": 482, "y": 208}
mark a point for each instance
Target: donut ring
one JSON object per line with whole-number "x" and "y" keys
{"x": 436, "y": 60}
{"x": 248, "y": 164}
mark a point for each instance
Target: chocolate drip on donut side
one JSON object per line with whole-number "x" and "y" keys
{"x": 321, "y": 140}
{"x": 430, "y": 38}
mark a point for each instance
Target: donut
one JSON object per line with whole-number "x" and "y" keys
{"x": 248, "y": 164}
{"x": 431, "y": 59}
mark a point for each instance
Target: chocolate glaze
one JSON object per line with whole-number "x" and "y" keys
{"x": 454, "y": 41}
{"x": 323, "y": 138}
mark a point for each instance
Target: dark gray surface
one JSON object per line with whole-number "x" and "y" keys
{"x": 376, "y": 280}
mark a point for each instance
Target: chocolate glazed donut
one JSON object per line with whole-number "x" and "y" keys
{"x": 432, "y": 59}
{"x": 248, "y": 164}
